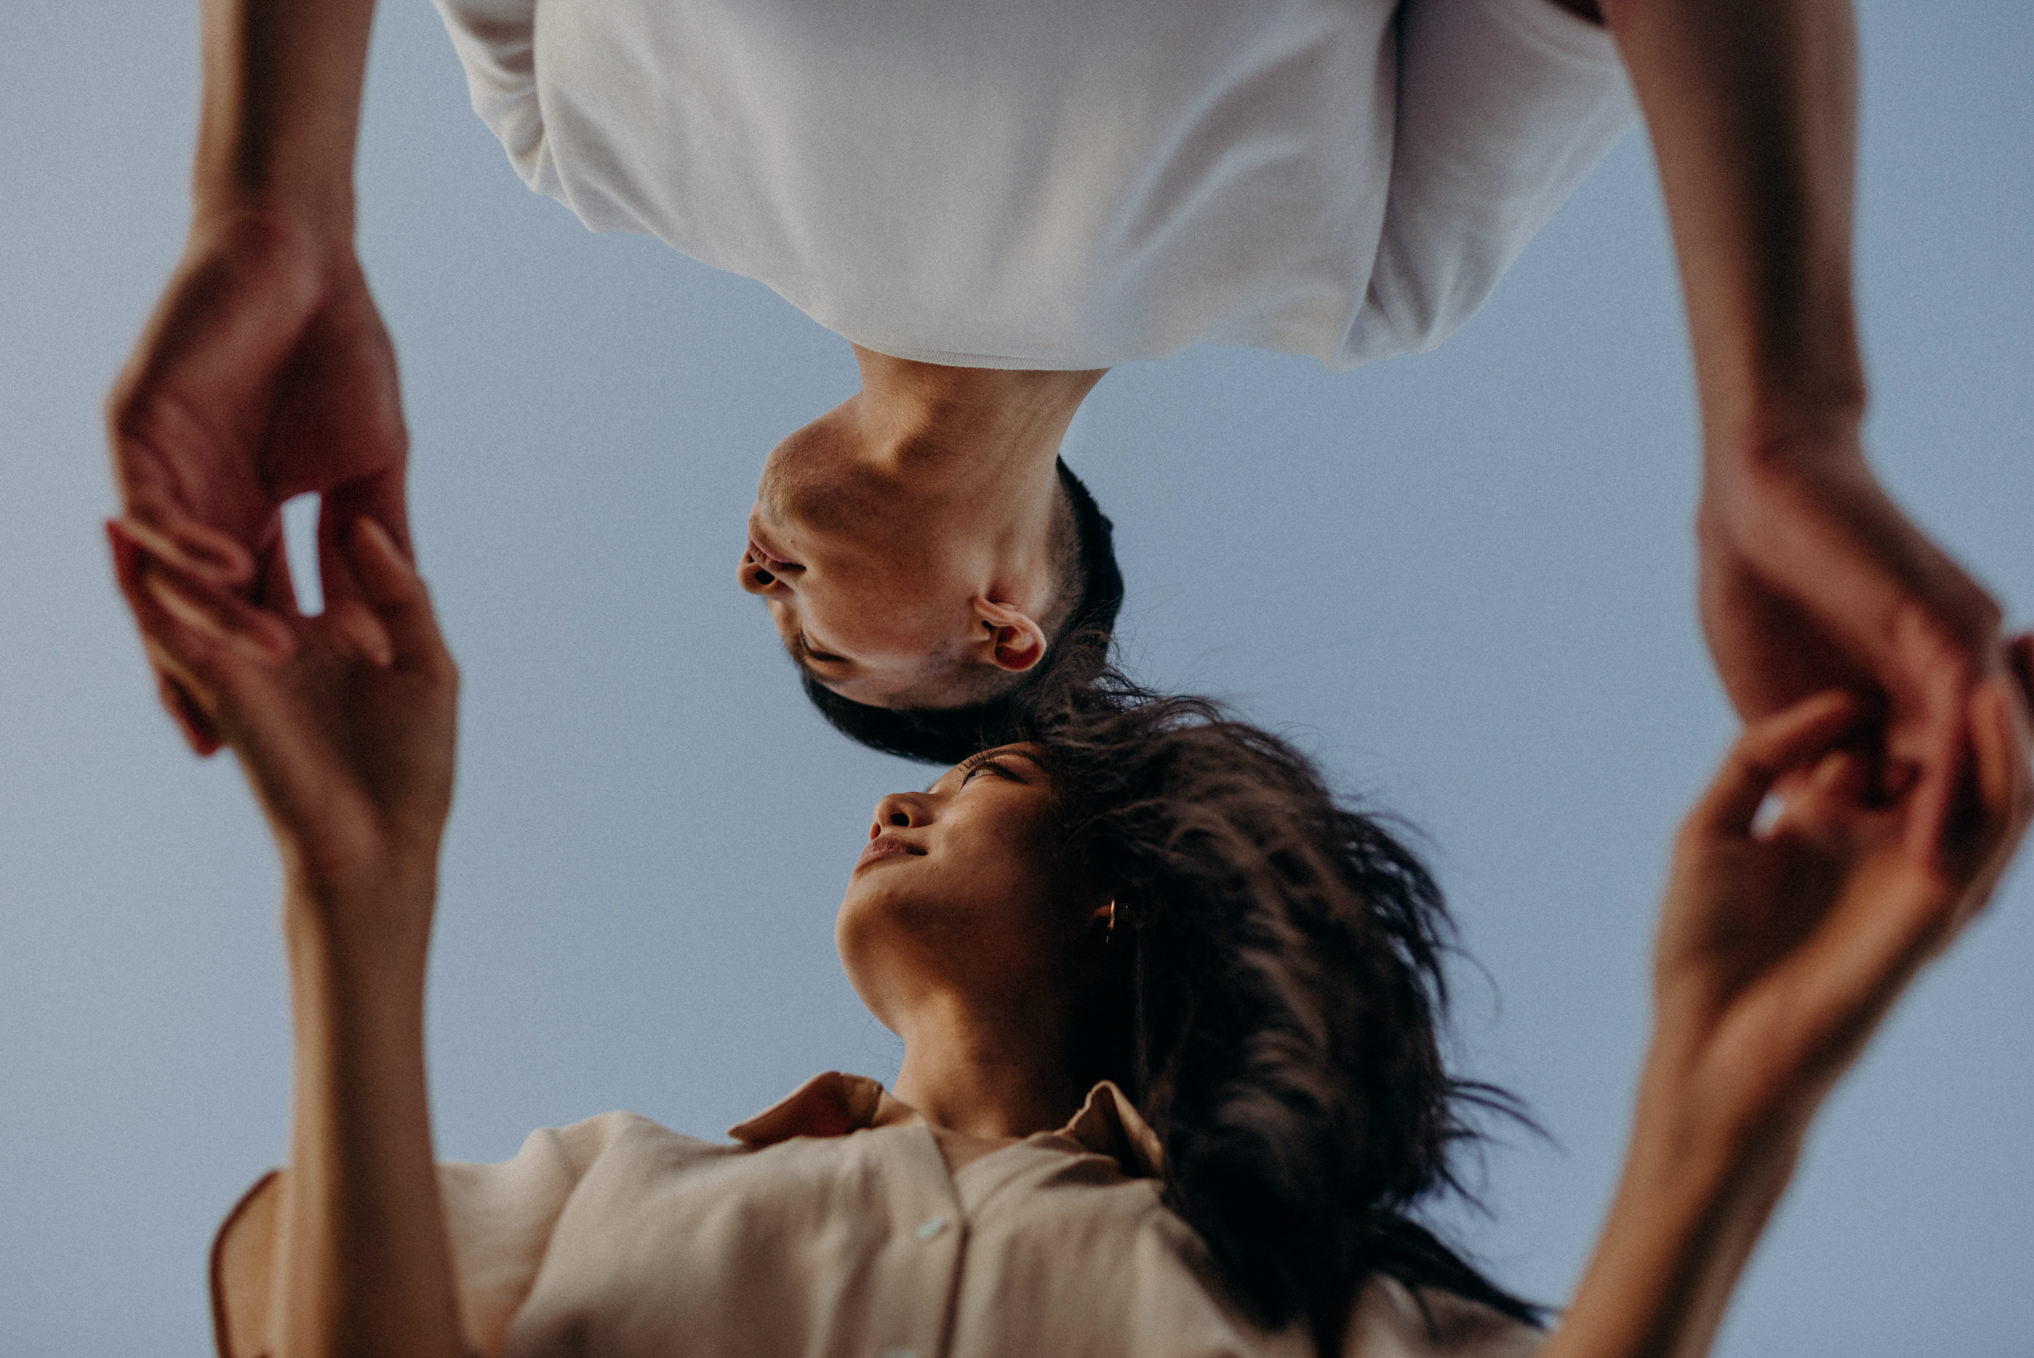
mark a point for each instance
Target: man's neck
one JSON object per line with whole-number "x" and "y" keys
{"x": 981, "y": 429}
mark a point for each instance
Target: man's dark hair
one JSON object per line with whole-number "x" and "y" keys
{"x": 947, "y": 735}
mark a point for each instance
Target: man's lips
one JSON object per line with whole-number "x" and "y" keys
{"x": 886, "y": 846}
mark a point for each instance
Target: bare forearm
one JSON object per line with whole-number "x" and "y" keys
{"x": 363, "y": 1266}
{"x": 281, "y": 110}
{"x": 1752, "y": 109}
{"x": 1689, "y": 1209}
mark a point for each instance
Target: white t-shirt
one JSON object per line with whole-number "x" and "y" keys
{"x": 1065, "y": 183}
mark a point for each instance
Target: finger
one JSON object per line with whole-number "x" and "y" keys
{"x": 397, "y": 594}
{"x": 380, "y": 498}
{"x": 2004, "y": 781}
{"x": 1942, "y": 781}
{"x": 384, "y": 499}
{"x": 363, "y": 630}
{"x": 258, "y": 635}
{"x": 256, "y": 632}
{"x": 2020, "y": 661}
{"x": 196, "y": 728}
{"x": 1768, "y": 750}
{"x": 274, "y": 588}
{"x": 188, "y": 544}
{"x": 212, "y": 682}
{"x": 1827, "y": 804}
{"x": 192, "y": 663}
{"x": 182, "y": 626}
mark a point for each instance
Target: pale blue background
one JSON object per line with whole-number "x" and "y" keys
{"x": 1464, "y": 579}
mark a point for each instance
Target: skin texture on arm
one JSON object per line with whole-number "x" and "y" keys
{"x": 265, "y": 371}
{"x": 1811, "y": 577}
{"x": 348, "y": 745}
{"x": 1780, "y": 951}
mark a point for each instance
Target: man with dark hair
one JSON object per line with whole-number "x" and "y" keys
{"x": 916, "y": 545}
{"x": 995, "y": 203}
{"x": 1086, "y": 572}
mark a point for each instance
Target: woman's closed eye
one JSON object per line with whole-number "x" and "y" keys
{"x": 990, "y": 761}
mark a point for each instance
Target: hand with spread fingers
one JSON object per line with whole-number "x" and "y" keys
{"x": 348, "y": 742}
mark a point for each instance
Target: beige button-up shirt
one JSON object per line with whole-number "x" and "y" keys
{"x": 833, "y": 1227}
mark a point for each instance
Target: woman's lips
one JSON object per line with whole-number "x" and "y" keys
{"x": 886, "y": 846}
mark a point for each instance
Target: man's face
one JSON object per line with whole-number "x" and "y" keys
{"x": 868, "y": 596}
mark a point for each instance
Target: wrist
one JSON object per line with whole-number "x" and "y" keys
{"x": 1714, "y": 1124}
{"x": 1784, "y": 432}
{"x": 365, "y": 928}
{"x": 314, "y": 238}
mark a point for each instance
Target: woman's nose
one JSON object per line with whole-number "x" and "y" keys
{"x": 899, "y": 811}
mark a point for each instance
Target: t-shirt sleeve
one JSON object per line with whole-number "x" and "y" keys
{"x": 1503, "y": 106}
{"x": 496, "y": 43}
{"x": 499, "y": 1219}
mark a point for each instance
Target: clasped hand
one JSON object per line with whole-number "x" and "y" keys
{"x": 347, "y": 740}
{"x": 1785, "y": 937}
{"x": 265, "y": 373}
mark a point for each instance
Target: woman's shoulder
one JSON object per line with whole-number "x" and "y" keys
{"x": 498, "y": 1218}
{"x": 1392, "y": 1320}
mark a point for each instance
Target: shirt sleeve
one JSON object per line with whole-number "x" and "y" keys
{"x": 1503, "y": 107}
{"x": 499, "y": 1219}
{"x": 496, "y": 43}
{"x": 1393, "y": 1321}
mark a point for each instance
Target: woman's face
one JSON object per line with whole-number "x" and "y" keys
{"x": 969, "y": 887}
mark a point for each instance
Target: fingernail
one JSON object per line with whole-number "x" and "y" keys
{"x": 182, "y": 607}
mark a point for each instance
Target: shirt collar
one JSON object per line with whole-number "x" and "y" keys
{"x": 834, "y": 1104}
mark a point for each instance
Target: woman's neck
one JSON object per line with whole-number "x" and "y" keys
{"x": 989, "y": 1079}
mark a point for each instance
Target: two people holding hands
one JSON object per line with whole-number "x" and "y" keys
{"x": 1145, "y": 914}
{"x": 1128, "y": 933}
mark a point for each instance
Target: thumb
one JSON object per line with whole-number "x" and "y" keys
{"x": 1767, "y": 751}
{"x": 2020, "y": 662}
{"x": 390, "y": 585}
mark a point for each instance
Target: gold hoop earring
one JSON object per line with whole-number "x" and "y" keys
{"x": 1109, "y": 932}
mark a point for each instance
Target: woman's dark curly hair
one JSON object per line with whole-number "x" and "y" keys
{"x": 1276, "y": 1021}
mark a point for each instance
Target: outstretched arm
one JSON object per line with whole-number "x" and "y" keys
{"x": 1780, "y": 950}
{"x": 348, "y": 746}
{"x": 1811, "y": 577}
{"x": 265, "y": 371}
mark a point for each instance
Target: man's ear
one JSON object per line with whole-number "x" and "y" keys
{"x": 1016, "y": 643}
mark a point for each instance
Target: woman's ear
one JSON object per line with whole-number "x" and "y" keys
{"x": 1016, "y": 643}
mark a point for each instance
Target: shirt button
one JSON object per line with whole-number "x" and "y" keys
{"x": 927, "y": 1229}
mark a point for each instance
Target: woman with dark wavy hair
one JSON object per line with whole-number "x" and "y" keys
{"x": 1171, "y": 1082}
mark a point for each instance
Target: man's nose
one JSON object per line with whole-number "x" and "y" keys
{"x": 759, "y": 579}
{"x": 900, "y": 811}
